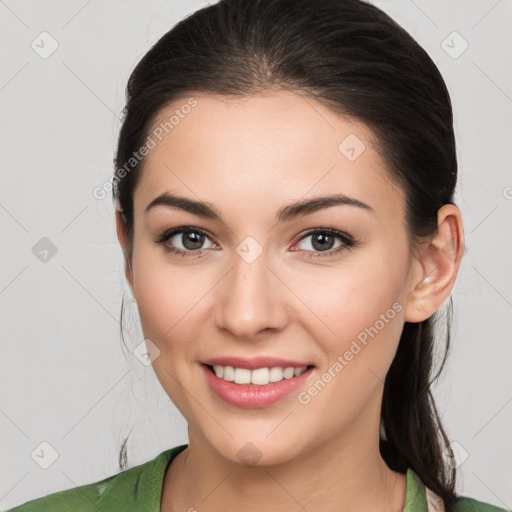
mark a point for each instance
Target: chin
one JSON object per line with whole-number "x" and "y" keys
{"x": 257, "y": 450}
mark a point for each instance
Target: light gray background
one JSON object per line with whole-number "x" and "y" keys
{"x": 64, "y": 377}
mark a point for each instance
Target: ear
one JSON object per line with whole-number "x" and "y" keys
{"x": 438, "y": 265}
{"x": 123, "y": 242}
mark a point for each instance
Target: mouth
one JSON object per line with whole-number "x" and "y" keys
{"x": 258, "y": 387}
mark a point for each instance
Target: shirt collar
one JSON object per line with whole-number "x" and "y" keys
{"x": 415, "y": 494}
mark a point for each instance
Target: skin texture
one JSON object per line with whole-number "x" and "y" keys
{"x": 249, "y": 157}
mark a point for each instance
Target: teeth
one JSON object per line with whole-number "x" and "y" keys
{"x": 242, "y": 376}
{"x": 276, "y": 374}
{"x": 288, "y": 372}
{"x": 259, "y": 377}
{"x": 229, "y": 374}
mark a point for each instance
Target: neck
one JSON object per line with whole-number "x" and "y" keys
{"x": 340, "y": 474}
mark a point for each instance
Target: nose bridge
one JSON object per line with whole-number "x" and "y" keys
{"x": 249, "y": 303}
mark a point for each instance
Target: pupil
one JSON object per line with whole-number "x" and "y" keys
{"x": 195, "y": 244}
{"x": 324, "y": 242}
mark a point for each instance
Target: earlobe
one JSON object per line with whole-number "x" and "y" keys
{"x": 439, "y": 264}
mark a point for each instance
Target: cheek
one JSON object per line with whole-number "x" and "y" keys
{"x": 358, "y": 304}
{"x": 361, "y": 322}
{"x": 352, "y": 296}
{"x": 168, "y": 302}
{"x": 166, "y": 296}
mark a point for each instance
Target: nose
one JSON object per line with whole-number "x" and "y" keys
{"x": 251, "y": 299}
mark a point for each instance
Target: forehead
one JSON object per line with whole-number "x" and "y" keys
{"x": 279, "y": 146}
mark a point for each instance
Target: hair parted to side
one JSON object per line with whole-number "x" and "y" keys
{"x": 356, "y": 60}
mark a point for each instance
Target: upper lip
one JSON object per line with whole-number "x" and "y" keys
{"x": 254, "y": 362}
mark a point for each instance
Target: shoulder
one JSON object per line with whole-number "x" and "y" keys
{"x": 81, "y": 499}
{"x": 464, "y": 504}
{"x": 419, "y": 498}
{"x": 135, "y": 489}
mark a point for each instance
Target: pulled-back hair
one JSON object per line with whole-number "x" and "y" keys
{"x": 353, "y": 58}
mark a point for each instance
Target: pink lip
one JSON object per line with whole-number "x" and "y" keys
{"x": 254, "y": 363}
{"x": 251, "y": 396}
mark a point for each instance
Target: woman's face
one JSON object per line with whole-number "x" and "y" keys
{"x": 263, "y": 279}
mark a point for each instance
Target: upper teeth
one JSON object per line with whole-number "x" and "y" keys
{"x": 260, "y": 376}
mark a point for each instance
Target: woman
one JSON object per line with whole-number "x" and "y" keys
{"x": 284, "y": 190}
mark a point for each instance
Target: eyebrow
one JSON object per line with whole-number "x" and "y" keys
{"x": 287, "y": 213}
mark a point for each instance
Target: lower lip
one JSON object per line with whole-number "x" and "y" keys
{"x": 252, "y": 396}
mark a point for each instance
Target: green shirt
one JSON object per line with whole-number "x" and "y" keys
{"x": 139, "y": 489}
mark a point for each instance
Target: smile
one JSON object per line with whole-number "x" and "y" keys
{"x": 255, "y": 387}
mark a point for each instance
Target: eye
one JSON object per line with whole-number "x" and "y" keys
{"x": 190, "y": 238}
{"x": 323, "y": 241}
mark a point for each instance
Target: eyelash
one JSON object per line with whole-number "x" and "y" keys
{"x": 348, "y": 241}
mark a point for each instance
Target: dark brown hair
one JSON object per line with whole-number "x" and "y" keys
{"x": 356, "y": 60}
